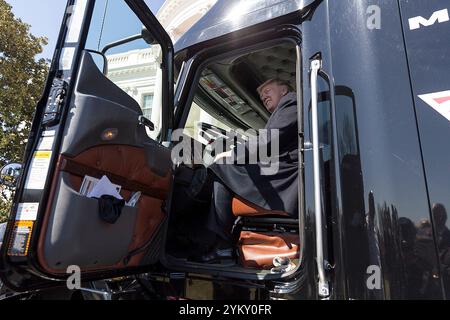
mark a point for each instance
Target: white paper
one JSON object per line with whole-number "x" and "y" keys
{"x": 48, "y": 133}
{"x": 105, "y": 187}
{"x": 66, "y": 60}
{"x": 27, "y": 211}
{"x": 87, "y": 185}
{"x": 76, "y": 20}
{"x": 38, "y": 171}
{"x": 133, "y": 199}
{"x": 46, "y": 143}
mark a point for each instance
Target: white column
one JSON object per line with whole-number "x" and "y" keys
{"x": 156, "y": 117}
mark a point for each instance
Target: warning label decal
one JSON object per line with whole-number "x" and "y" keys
{"x": 46, "y": 143}
{"x": 39, "y": 170}
{"x": 27, "y": 211}
{"x": 20, "y": 240}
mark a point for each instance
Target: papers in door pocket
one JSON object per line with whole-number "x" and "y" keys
{"x": 133, "y": 199}
{"x": 95, "y": 188}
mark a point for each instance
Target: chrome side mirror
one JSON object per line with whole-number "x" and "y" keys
{"x": 10, "y": 174}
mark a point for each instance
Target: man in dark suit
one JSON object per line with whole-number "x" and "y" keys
{"x": 277, "y": 190}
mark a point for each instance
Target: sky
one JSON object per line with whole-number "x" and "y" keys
{"x": 45, "y": 18}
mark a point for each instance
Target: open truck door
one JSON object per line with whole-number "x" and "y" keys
{"x": 89, "y": 126}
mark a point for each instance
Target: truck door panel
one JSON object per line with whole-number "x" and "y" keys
{"x": 71, "y": 220}
{"x": 95, "y": 130}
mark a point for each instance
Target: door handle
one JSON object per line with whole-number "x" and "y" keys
{"x": 316, "y": 65}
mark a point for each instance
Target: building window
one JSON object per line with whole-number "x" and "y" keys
{"x": 147, "y": 106}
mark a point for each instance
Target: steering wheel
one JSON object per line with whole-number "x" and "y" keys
{"x": 215, "y": 136}
{"x": 211, "y": 132}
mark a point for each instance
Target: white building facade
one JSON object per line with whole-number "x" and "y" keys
{"x": 138, "y": 73}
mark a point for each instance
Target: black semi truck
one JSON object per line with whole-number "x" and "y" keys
{"x": 373, "y": 91}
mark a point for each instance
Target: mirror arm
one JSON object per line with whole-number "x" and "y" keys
{"x": 105, "y": 61}
{"x": 120, "y": 42}
{"x": 146, "y": 122}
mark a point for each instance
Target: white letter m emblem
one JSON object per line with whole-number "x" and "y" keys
{"x": 438, "y": 16}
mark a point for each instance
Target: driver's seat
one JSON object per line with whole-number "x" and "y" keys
{"x": 244, "y": 208}
{"x": 264, "y": 235}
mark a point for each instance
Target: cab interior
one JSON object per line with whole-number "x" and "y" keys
{"x": 224, "y": 95}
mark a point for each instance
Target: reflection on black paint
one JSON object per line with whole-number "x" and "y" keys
{"x": 443, "y": 243}
{"x": 375, "y": 236}
{"x": 387, "y": 216}
{"x": 374, "y": 247}
{"x": 405, "y": 251}
{"x": 420, "y": 273}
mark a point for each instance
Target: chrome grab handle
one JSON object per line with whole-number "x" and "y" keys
{"x": 316, "y": 65}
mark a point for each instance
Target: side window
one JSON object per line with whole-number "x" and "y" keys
{"x": 325, "y": 129}
{"x": 226, "y": 94}
{"x": 325, "y": 135}
{"x": 346, "y": 123}
{"x": 147, "y": 105}
{"x": 198, "y": 116}
{"x": 132, "y": 58}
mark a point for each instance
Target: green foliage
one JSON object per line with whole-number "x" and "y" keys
{"x": 21, "y": 81}
{"x": 5, "y": 205}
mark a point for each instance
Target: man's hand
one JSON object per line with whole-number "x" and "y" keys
{"x": 223, "y": 155}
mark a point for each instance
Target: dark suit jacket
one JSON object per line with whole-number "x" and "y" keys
{"x": 278, "y": 191}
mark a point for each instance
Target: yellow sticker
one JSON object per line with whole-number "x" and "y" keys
{"x": 21, "y": 237}
{"x": 42, "y": 154}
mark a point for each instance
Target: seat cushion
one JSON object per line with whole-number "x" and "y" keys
{"x": 257, "y": 250}
{"x": 244, "y": 208}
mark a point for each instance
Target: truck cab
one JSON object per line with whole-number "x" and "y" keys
{"x": 373, "y": 166}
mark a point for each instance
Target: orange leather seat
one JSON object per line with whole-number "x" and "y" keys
{"x": 257, "y": 250}
{"x": 244, "y": 208}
